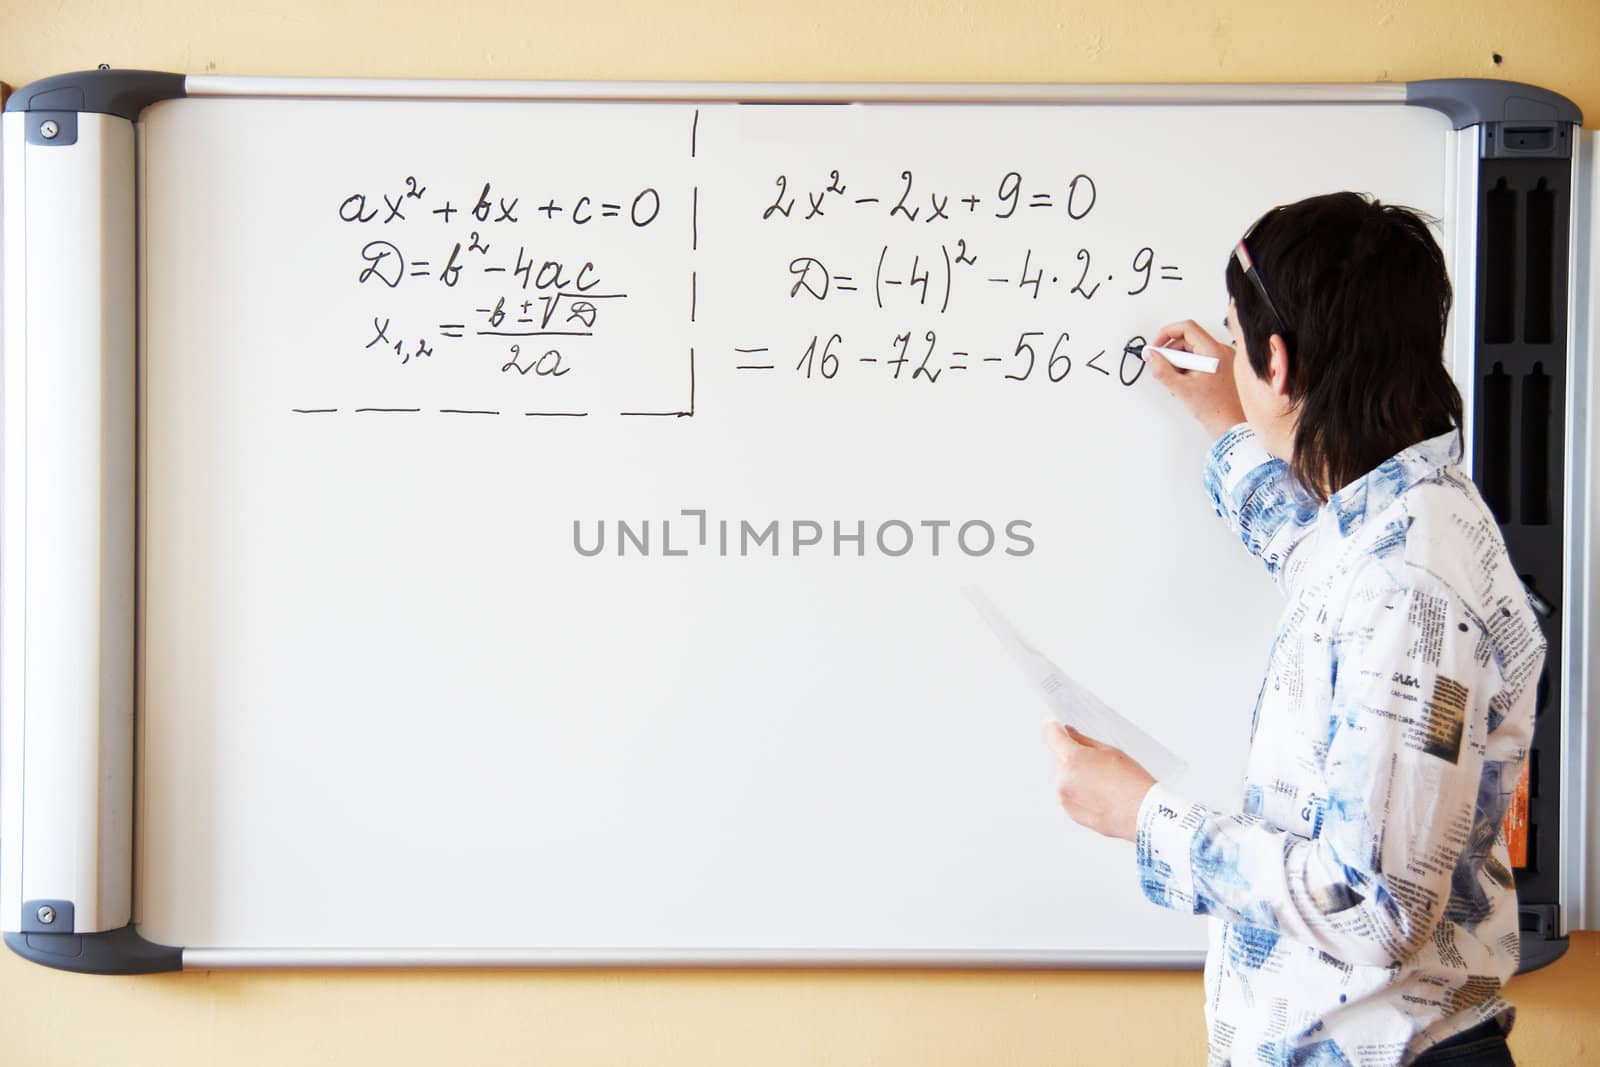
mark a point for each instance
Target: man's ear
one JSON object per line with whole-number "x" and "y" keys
{"x": 1278, "y": 367}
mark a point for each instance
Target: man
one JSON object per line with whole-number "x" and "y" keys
{"x": 1363, "y": 908}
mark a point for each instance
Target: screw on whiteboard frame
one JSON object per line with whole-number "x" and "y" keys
{"x": 48, "y": 129}
{"x": 47, "y": 914}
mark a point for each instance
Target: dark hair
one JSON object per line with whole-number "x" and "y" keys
{"x": 1364, "y": 296}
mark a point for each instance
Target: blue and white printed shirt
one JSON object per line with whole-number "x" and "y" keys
{"x": 1362, "y": 902}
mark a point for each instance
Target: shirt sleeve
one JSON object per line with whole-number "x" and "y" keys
{"x": 1399, "y": 790}
{"x": 1261, "y": 499}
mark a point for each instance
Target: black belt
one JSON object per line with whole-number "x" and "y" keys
{"x": 1489, "y": 1028}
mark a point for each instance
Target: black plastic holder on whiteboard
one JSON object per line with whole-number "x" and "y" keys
{"x": 1519, "y": 419}
{"x": 1519, "y": 445}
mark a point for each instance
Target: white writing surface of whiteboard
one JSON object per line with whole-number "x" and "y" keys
{"x": 555, "y": 516}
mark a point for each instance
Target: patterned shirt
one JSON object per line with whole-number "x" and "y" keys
{"x": 1362, "y": 903}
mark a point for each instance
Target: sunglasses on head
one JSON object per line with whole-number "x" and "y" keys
{"x": 1242, "y": 253}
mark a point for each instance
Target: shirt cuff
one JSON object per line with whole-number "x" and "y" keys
{"x": 1237, "y": 452}
{"x": 1164, "y": 847}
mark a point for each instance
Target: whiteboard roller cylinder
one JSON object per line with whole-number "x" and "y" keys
{"x": 67, "y": 526}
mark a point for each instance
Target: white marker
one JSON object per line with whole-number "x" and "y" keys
{"x": 1186, "y": 360}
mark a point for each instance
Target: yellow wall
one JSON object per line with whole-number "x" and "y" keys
{"x": 768, "y": 1017}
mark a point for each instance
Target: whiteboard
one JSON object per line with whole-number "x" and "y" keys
{"x": 391, "y": 705}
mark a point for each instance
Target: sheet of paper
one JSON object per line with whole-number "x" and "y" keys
{"x": 1071, "y": 703}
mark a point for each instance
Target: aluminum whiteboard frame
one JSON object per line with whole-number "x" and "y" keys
{"x": 331, "y": 958}
{"x": 211, "y": 85}
{"x": 1460, "y": 176}
{"x": 1580, "y": 740}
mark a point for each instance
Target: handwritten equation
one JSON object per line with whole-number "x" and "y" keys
{"x": 524, "y": 295}
{"x": 929, "y": 359}
{"x": 1075, "y": 197}
{"x": 538, "y": 290}
{"x": 955, "y": 277}
{"x": 920, "y": 276}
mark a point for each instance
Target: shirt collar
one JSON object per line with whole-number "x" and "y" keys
{"x": 1375, "y": 490}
